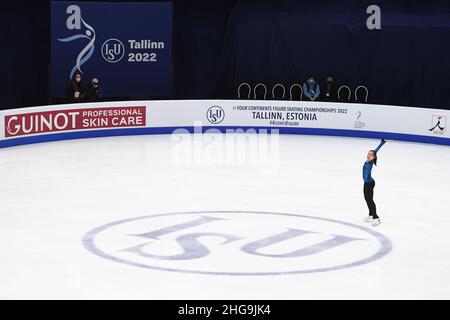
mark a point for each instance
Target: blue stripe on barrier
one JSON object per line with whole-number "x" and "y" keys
{"x": 169, "y": 130}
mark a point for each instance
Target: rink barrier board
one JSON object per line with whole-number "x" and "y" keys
{"x": 223, "y": 129}
{"x": 409, "y": 124}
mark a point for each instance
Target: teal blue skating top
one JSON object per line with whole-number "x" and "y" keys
{"x": 367, "y": 168}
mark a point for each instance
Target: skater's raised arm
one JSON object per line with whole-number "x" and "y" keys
{"x": 383, "y": 141}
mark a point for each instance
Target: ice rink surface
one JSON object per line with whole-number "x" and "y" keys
{"x": 130, "y": 218}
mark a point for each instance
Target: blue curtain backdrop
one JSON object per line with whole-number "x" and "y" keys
{"x": 24, "y": 53}
{"x": 219, "y": 44}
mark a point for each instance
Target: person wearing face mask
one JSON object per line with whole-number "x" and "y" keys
{"x": 75, "y": 90}
{"x": 329, "y": 91}
{"x": 311, "y": 89}
{"x": 93, "y": 92}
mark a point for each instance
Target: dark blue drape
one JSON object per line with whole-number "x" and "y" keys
{"x": 24, "y": 53}
{"x": 223, "y": 43}
{"x": 219, "y": 44}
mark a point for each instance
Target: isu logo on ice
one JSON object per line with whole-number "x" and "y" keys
{"x": 438, "y": 124}
{"x": 237, "y": 243}
{"x": 74, "y": 119}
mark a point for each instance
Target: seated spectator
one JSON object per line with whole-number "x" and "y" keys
{"x": 75, "y": 90}
{"x": 311, "y": 89}
{"x": 93, "y": 92}
{"x": 329, "y": 91}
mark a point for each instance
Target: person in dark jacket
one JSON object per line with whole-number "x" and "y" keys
{"x": 75, "y": 91}
{"x": 93, "y": 92}
{"x": 329, "y": 91}
{"x": 311, "y": 89}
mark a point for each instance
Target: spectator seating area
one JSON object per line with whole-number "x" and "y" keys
{"x": 295, "y": 92}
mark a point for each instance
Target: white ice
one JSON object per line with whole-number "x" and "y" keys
{"x": 52, "y": 194}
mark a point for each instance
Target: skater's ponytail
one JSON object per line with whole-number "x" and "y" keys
{"x": 375, "y": 158}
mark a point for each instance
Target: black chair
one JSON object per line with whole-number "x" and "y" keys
{"x": 278, "y": 85}
{"x": 344, "y": 96}
{"x": 291, "y": 96}
{"x": 244, "y": 85}
{"x": 362, "y": 91}
{"x": 260, "y": 85}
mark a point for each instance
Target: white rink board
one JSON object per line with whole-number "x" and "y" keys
{"x": 343, "y": 119}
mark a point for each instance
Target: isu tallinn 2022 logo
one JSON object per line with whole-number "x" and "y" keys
{"x": 112, "y": 50}
{"x": 74, "y": 119}
{"x": 237, "y": 243}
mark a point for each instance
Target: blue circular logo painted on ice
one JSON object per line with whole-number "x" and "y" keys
{"x": 237, "y": 243}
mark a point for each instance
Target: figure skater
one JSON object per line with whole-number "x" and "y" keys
{"x": 369, "y": 185}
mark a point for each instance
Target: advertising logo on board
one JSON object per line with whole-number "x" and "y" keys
{"x": 73, "y": 119}
{"x": 107, "y": 41}
{"x": 438, "y": 124}
{"x": 215, "y": 115}
{"x": 112, "y": 50}
{"x": 359, "y": 124}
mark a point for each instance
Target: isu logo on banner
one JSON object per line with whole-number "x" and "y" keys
{"x": 74, "y": 119}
